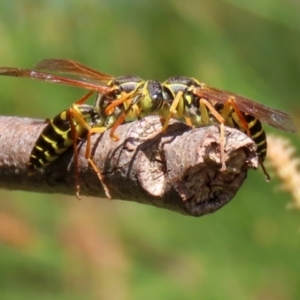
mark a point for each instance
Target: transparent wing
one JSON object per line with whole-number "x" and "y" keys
{"x": 72, "y": 67}
{"x": 17, "y": 72}
{"x": 265, "y": 114}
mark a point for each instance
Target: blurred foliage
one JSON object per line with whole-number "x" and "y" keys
{"x": 54, "y": 247}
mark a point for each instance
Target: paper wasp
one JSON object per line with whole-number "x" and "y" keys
{"x": 67, "y": 127}
{"x": 80, "y": 121}
{"x": 197, "y": 104}
{"x": 201, "y": 105}
{"x": 62, "y": 132}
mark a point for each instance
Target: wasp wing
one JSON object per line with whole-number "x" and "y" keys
{"x": 265, "y": 114}
{"x": 72, "y": 67}
{"x": 42, "y": 76}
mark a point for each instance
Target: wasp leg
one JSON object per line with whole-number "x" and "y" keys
{"x": 120, "y": 121}
{"x": 204, "y": 107}
{"x": 84, "y": 98}
{"x": 73, "y": 115}
{"x": 227, "y": 110}
{"x": 173, "y": 110}
{"x": 268, "y": 178}
{"x": 231, "y": 103}
{"x": 188, "y": 121}
{"x": 89, "y": 158}
{"x": 128, "y": 107}
{"x": 111, "y": 107}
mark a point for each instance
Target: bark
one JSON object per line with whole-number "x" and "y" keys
{"x": 178, "y": 170}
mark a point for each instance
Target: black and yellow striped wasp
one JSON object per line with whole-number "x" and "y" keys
{"x": 62, "y": 132}
{"x": 72, "y": 124}
{"x": 199, "y": 105}
{"x": 80, "y": 120}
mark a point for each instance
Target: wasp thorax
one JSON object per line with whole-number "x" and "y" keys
{"x": 152, "y": 96}
{"x": 126, "y": 83}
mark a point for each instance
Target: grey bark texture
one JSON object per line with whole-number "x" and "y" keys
{"x": 178, "y": 170}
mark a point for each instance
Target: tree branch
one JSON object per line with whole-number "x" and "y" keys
{"x": 179, "y": 170}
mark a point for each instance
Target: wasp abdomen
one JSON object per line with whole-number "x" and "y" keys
{"x": 57, "y": 136}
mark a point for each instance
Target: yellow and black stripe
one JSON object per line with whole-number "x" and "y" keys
{"x": 57, "y": 136}
{"x": 255, "y": 129}
{"x": 189, "y": 107}
{"x": 257, "y": 134}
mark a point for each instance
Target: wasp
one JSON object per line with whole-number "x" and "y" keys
{"x": 131, "y": 97}
{"x": 66, "y": 128}
{"x": 198, "y": 105}
{"x": 62, "y": 132}
{"x": 201, "y": 105}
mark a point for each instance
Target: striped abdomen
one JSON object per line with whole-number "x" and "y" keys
{"x": 57, "y": 136}
{"x": 257, "y": 134}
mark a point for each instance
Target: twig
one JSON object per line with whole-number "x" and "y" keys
{"x": 178, "y": 170}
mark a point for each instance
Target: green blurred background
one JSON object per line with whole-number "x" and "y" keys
{"x": 55, "y": 247}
